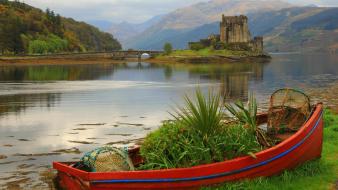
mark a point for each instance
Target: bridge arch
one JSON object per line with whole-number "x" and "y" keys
{"x": 145, "y": 55}
{"x": 135, "y": 54}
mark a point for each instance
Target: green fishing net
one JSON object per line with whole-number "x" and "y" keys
{"x": 289, "y": 110}
{"x": 108, "y": 159}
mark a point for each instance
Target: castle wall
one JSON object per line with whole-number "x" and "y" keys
{"x": 257, "y": 44}
{"x": 234, "y": 29}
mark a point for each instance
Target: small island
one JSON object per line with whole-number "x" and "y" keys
{"x": 234, "y": 43}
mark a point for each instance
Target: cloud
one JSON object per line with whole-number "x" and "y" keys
{"x": 322, "y": 3}
{"x": 111, "y": 10}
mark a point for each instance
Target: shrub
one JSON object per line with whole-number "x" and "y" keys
{"x": 219, "y": 46}
{"x": 38, "y": 47}
{"x": 49, "y": 44}
{"x": 197, "y": 136}
{"x": 168, "y": 48}
{"x": 239, "y": 47}
{"x": 196, "y": 46}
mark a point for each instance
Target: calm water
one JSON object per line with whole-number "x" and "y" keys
{"x": 44, "y": 109}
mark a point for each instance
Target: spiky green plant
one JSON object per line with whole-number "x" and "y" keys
{"x": 248, "y": 116}
{"x": 245, "y": 115}
{"x": 204, "y": 115}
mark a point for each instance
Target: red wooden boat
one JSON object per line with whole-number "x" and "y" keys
{"x": 302, "y": 146}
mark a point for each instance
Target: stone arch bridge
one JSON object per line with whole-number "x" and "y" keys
{"x": 118, "y": 55}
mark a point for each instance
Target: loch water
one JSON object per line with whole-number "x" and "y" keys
{"x": 58, "y": 112}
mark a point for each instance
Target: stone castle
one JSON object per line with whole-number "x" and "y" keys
{"x": 235, "y": 29}
{"x": 235, "y": 35}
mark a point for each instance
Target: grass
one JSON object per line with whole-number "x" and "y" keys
{"x": 209, "y": 52}
{"x": 313, "y": 175}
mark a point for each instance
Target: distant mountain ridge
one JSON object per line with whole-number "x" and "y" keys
{"x": 125, "y": 30}
{"x": 305, "y": 29}
{"x": 103, "y": 25}
{"x": 188, "y": 18}
{"x": 291, "y": 28}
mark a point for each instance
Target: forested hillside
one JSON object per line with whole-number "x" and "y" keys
{"x": 28, "y": 30}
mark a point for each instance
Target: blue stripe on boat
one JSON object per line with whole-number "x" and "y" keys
{"x": 215, "y": 175}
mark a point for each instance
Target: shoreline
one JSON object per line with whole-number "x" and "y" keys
{"x": 97, "y": 58}
{"x": 57, "y": 61}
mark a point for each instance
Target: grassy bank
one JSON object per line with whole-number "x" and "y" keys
{"x": 314, "y": 175}
{"x": 209, "y": 55}
{"x": 207, "y": 52}
{"x": 210, "y": 52}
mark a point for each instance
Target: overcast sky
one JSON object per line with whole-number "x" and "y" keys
{"x": 111, "y": 10}
{"x": 134, "y": 11}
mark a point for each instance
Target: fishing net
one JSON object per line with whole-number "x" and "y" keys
{"x": 108, "y": 159}
{"x": 289, "y": 110}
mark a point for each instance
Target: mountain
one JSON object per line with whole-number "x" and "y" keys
{"x": 103, "y": 25}
{"x": 306, "y": 29}
{"x": 125, "y": 30}
{"x": 25, "y": 29}
{"x": 185, "y": 19}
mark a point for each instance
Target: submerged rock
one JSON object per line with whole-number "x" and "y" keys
{"x": 24, "y": 140}
{"x": 17, "y": 184}
{"x": 117, "y": 134}
{"x": 80, "y": 129}
{"x": 81, "y": 142}
{"x": 39, "y": 154}
{"x": 24, "y": 166}
{"x": 132, "y": 124}
{"x": 92, "y": 124}
{"x": 3, "y": 157}
{"x": 73, "y": 150}
{"x": 73, "y": 133}
{"x": 9, "y": 162}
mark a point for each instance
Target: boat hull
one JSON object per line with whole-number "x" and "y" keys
{"x": 303, "y": 146}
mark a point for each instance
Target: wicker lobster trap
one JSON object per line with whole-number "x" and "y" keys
{"x": 289, "y": 110}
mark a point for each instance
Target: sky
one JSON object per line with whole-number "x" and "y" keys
{"x": 134, "y": 11}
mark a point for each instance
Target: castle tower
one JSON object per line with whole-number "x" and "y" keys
{"x": 234, "y": 29}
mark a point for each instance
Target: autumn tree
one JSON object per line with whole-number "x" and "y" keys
{"x": 168, "y": 48}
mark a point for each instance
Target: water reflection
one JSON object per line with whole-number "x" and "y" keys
{"x": 18, "y": 103}
{"x": 54, "y": 72}
{"x": 233, "y": 78}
